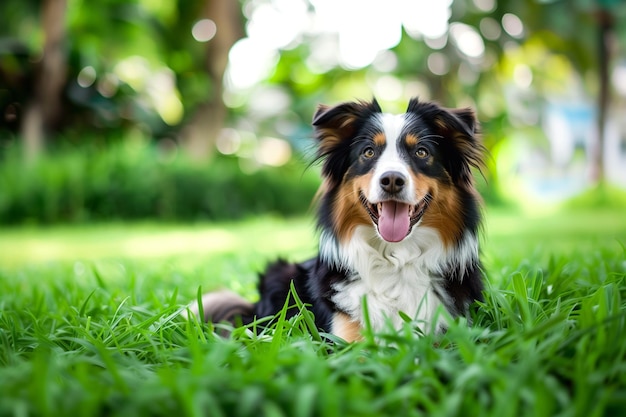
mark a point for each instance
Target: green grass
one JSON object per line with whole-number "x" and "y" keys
{"x": 89, "y": 326}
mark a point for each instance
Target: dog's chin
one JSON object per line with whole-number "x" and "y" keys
{"x": 395, "y": 219}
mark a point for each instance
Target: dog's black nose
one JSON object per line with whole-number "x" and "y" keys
{"x": 392, "y": 182}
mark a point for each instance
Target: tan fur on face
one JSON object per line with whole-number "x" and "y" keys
{"x": 348, "y": 211}
{"x": 379, "y": 139}
{"x": 411, "y": 140}
{"x": 346, "y": 328}
{"x": 444, "y": 211}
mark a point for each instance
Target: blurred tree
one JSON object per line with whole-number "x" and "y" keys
{"x": 207, "y": 118}
{"x": 45, "y": 108}
{"x": 114, "y": 65}
{"x": 584, "y": 31}
{"x": 505, "y": 58}
{"x": 605, "y": 24}
{"x": 157, "y": 67}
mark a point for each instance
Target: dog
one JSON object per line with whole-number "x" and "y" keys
{"x": 399, "y": 220}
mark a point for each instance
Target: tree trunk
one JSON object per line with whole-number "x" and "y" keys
{"x": 200, "y": 133}
{"x": 605, "y": 32}
{"x": 44, "y": 110}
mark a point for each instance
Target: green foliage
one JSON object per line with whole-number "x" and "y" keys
{"x": 602, "y": 196}
{"x": 80, "y": 340}
{"x": 135, "y": 182}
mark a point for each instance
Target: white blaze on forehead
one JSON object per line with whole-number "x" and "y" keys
{"x": 390, "y": 159}
{"x": 392, "y": 125}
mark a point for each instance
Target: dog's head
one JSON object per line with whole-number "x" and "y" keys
{"x": 397, "y": 172}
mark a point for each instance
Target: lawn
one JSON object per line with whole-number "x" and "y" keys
{"x": 89, "y": 326}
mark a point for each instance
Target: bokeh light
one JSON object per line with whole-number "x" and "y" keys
{"x": 204, "y": 30}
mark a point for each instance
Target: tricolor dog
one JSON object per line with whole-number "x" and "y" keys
{"x": 398, "y": 217}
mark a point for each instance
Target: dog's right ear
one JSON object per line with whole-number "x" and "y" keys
{"x": 333, "y": 125}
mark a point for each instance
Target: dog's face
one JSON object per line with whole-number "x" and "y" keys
{"x": 396, "y": 172}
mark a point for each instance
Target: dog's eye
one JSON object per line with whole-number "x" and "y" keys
{"x": 422, "y": 153}
{"x": 368, "y": 152}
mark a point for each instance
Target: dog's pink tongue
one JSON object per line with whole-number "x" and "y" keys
{"x": 394, "y": 221}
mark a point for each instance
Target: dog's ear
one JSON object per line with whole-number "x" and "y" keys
{"x": 462, "y": 120}
{"x": 460, "y": 127}
{"x": 334, "y": 125}
{"x": 335, "y": 128}
{"x": 468, "y": 120}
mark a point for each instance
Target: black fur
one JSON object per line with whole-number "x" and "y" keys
{"x": 310, "y": 280}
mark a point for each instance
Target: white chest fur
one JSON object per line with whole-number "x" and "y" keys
{"x": 393, "y": 277}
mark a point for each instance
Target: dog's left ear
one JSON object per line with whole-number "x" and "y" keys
{"x": 461, "y": 128}
{"x": 466, "y": 117}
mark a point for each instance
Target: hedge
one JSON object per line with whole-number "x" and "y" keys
{"x": 125, "y": 182}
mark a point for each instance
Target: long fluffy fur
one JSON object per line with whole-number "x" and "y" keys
{"x": 418, "y": 164}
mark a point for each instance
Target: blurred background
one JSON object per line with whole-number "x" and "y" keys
{"x": 200, "y": 109}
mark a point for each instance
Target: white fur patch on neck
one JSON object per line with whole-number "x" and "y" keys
{"x": 394, "y": 277}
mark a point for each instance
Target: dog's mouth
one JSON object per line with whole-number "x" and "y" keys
{"x": 395, "y": 219}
